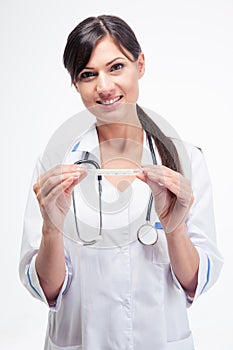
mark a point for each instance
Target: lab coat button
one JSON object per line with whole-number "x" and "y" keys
{"x": 125, "y": 303}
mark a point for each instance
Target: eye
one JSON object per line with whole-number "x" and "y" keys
{"x": 86, "y": 75}
{"x": 117, "y": 66}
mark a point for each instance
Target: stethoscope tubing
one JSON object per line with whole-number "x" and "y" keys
{"x": 99, "y": 178}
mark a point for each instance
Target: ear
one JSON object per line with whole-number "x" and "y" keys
{"x": 76, "y": 87}
{"x": 141, "y": 65}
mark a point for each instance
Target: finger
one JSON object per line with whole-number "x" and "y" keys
{"x": 173, "y": 181}
{"x": 66, "y": 186}
{"x": 164, "y": 176}
{"x": 49, "y": 204}
{"x": 155, "y": 177}
{"x": 54, "y": 181}
{"x": 159, "y": 170}
{"x": 60, "y": 170}
{"x": 142, "y": 177}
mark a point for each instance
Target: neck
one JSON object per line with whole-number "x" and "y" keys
{"x": 119, "y": 143}
{"x": 126, "y": 126}
{"x": 113, "y": 131}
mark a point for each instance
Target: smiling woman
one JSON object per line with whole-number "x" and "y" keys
{"x": 110, "y": 80}
{"x": 145, "y": 287}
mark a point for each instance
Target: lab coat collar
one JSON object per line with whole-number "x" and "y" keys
{"x": 88, "y": 142}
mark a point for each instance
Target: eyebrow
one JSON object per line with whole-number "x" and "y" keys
{"x": 108, "y": 63}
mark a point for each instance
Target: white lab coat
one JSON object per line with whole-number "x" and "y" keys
{"x": 119, "y": 294}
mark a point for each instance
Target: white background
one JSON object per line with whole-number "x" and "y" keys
{"x": 188, "y": 81}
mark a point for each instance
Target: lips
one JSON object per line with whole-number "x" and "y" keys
{"x": 108, "y": 102}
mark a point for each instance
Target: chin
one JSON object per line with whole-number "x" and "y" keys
{"x": 116, "y": 113}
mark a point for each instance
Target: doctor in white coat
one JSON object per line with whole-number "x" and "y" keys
{"x": 118, "y": 294}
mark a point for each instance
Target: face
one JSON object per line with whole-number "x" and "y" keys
{"x": 108, "y": 85}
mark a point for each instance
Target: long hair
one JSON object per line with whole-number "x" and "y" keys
{"x": 78, "y": 49}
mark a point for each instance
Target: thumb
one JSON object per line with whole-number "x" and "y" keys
{"x": 142, "y": 177}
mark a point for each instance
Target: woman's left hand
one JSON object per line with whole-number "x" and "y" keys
{"x": 172, "y": 194}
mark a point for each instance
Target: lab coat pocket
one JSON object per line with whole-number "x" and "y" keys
{"x": 160, "y": 251}
{"x": 52, "y": 346}
{"x": 182, "y": 344}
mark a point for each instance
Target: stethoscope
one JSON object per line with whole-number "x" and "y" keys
{"x": 147, "y": 234}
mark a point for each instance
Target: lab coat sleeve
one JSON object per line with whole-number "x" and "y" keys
{"x": 35, "y": 288}
{"x": 31, "y": 239}
{"x": 201, "y": 226}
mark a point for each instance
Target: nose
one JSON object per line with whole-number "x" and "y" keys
{"x": 105, "y": 85}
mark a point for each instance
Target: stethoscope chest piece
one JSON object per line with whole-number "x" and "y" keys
{"x": 147, "y": 234}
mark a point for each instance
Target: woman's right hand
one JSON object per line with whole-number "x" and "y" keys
{"x": 53, "y": 190}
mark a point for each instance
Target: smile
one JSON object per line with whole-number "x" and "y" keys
{"x": 110, "y": 102}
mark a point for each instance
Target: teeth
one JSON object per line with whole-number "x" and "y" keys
{"x": 109, "y": 102}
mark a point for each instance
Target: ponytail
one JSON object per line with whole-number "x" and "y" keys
{"x": 164, "y": 144}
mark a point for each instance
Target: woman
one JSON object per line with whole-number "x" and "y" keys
{"x": 118, "y": 293}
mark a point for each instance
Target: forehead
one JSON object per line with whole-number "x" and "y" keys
{"x": 106, "y": 50}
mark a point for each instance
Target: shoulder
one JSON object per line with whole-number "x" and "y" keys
{"x": 182, "y": 144}
{"x": 59, "y": 147}
{"x": 189, "y": 155}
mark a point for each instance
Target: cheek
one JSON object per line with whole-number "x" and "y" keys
{"x": 132, "y": 89}
{"x": 86, "y": 95}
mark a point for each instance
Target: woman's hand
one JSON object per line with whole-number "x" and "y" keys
{"x": 172, "y": 194}
{"x": 53, "y": 190}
